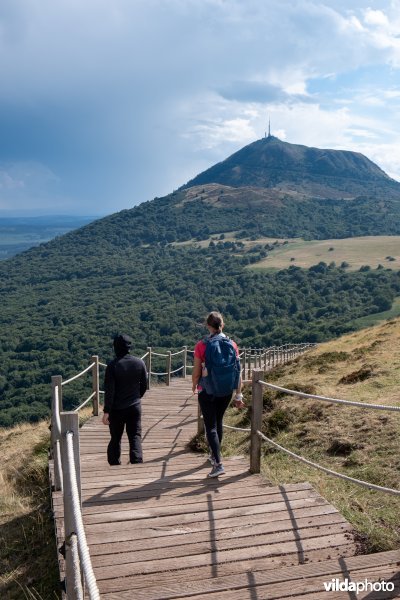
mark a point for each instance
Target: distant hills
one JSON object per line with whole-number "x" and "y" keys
{"x": 63, "y": 301}
{"x": 20, "y": 233}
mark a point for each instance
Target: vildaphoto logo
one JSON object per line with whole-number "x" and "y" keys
{"x": 336, "y": 585}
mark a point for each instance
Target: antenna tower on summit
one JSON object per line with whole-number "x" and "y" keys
{"x": 269, "y": 129}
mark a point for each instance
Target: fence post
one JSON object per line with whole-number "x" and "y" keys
{"x": 184, "y": 361}
{"x": 148, "y": 366}
{"x": 95, "y": 385}
{"x": 244, "y": 363}
{"x": 56, "y": 407}
{"x": 256, "y": 420}
{"x": 168, "y": 381}
{"x": 70, "y": 424}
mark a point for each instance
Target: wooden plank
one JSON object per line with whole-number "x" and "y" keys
{"x": 215, "y": 571}
{"x": 156, "y": 529}
{"x": 236, "y": 531}
{"x": 174, "y": 585}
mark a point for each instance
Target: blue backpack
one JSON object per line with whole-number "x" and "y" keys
{"x": 223, "y": 366}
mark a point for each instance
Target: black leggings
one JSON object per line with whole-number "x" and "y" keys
{"x": 131, "y": 417}
{"x": 213, "y": 410}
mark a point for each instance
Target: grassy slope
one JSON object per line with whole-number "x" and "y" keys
{"x": 357, "y": 251}
{"x": 28, "y": 566}
{"x": 357, "y": 442}
{"x": 28, "y": 553}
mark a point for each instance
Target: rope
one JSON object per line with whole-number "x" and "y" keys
{"x": 236, "y": 428}
{"x": 57, "y": 413}
{"x": 179, "y": 352}
{"x": 59, "y": 464}
{"x": 102, "y": 364}
{"x": 79, "y": 374}
{"x": 144, "y": 355}
{"x": 334, "y": 400}
{"x": 85, "y": 402}
{"x": 78, "y": 521}
{"x": 157, "y": 354}
{"x": 370, "y": 486}
{"x": 76, "y": 567}
{"x": 176, "y": 370}
{"x": 152, "y": 373}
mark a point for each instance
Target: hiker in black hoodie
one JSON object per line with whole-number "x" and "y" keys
{"x": 125, "y": 382}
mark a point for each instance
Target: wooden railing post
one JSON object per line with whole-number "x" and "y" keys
{"x": 184, "y": 361}
{"x": 95, "y": 385}
{"x": 148, "y": 366}
{"x": 256, "y": 420}
{"x": 70, "y": 423}
{"x": 244, "y": 362}
{"x": 168, "y": 381}
{"x": 56, "y": 407}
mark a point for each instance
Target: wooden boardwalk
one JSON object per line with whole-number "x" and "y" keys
{"x": 163, "y": 530}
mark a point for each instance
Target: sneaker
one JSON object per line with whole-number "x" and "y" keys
{"x": 217, "y": 470}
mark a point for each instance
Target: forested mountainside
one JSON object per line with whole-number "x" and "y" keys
{"x": 64, "y": 300}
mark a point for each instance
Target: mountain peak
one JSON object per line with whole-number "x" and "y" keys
{"x": 272, "y": 163}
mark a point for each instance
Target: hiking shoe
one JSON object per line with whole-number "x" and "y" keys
{"x": 217, "y": 470}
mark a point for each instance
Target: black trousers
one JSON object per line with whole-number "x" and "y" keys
{"x": 213, "y": 409}
{"x": 131, "y": 419}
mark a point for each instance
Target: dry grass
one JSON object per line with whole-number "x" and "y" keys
{"x": 357, "y": 251}
{"x": 28, "y": 553}
{"x": 28, "y": 564}
{"x": 357, "y": 442}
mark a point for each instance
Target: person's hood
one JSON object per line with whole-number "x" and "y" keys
{"x": 122, "y": 345}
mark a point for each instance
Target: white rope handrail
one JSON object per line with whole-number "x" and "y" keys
{"x": 153, "y": 373}
{"x": 176, "y": 370}
{"x": 79, "y": 374}
{"x": 191, "y": 351}
{"x": 57, "y": 413}
{"x": 370, "y": 486}
{"x": 236, "y": 428}
{"x": 157, "y": 354}
{"x": 179, "y": 352}
{"x": 102, "y": 364}
{"x": 334, "y": 400}
{"x": 92, "y": 395}
{"x": 76, "y": 567}
{"x": 59, "y": 464}
{"x": 144, "y": 356}
{"x": 78, "y": 522}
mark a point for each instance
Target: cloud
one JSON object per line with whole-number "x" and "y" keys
{"x": 121, "y": 101}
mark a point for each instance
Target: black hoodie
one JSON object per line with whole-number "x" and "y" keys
{"x": 125, "y": 380}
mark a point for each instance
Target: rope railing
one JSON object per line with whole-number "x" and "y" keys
{"x": 331, "y": 400}
{"x": 85, "y": 402}
{"x": 85, "y": 561}
{"x": 257, "y": 437}
{"x": 79, "y": 374}
{"x": 370, "y": 486}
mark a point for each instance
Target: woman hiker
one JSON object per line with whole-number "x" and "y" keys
{"x": 216, "y": 375}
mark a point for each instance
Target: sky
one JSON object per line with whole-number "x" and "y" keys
{"x": 104, "y": 105}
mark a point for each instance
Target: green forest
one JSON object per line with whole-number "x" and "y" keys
{"x": 64, "y": 301}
